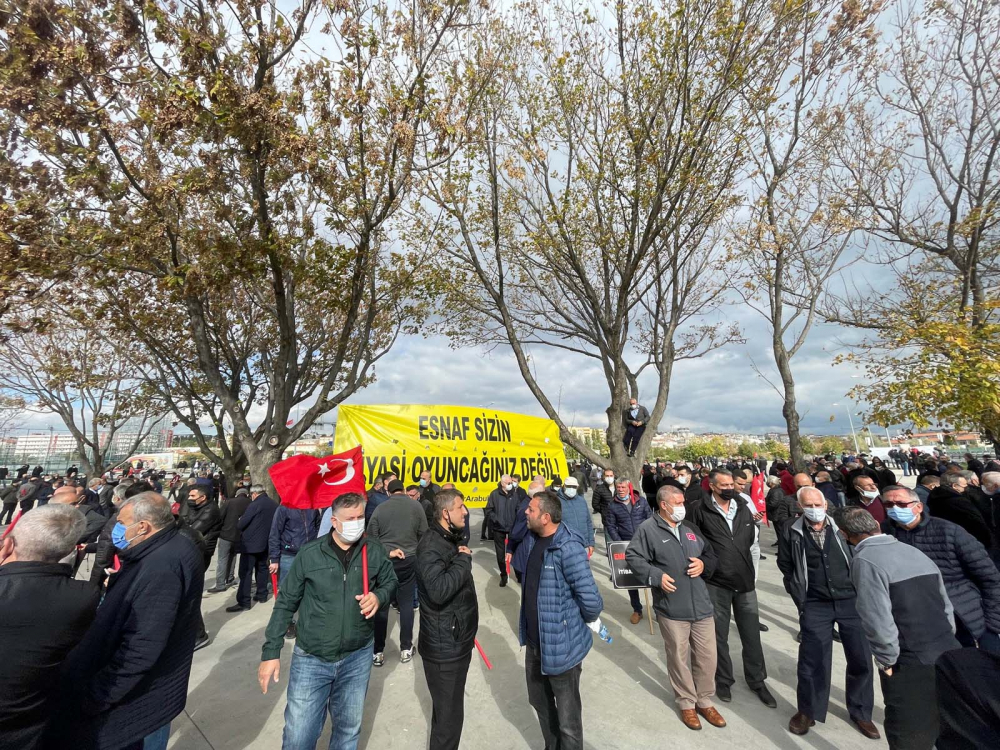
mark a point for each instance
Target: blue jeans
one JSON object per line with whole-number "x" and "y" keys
{"x": 157, "y": 740}
{"x": 284, "y": 565}
{"x": 316, "y": 686}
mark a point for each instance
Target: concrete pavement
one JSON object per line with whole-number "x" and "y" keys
{"x": 627, "y": 698}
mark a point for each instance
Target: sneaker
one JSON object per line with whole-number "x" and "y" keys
{"x": 202, "y": 642}
{"x": 378, "y": 659}
{"x": 406, "y": 655}
{"x": 290, "y": 632}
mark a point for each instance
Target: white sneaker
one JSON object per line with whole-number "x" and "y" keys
{"x": 378, "y": 660}
{"x": 406, "y": 655}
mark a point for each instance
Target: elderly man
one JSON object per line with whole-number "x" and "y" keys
{"x": 987, "y": 500}
{"x": 501, "y": 513}
{"x": 671, "y": 555}
{"x": 33, "y": 581}
{"x": 627, "y": 512}
{"x": 970, "y": 577}
{"x": 127, "y": 679}
{"x": 950, "y": 502}
{"x": 255, "y": 528}
{"x": 815, "y": 562}
{"x": 727, "y": 522}
{"x": 867, "y": 496}
{"x": 908, "y": 619}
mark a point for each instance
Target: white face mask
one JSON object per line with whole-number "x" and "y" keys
{"x": 609, "y": 480}
{"x": 570, "y": 492}
{"x": 677, "y": 513}
{"x": 683, "y": 479}
{"x": 351, "y": 531}
{"x": 514, "y": 484}
{"x": 816, "y": 515}
{"x": 506, "y": 488}
{"x": 870, "y": 494}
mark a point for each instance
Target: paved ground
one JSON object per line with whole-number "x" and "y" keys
{"x": 626, "y": 694}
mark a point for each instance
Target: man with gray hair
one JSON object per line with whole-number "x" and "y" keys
{"x": 970, "y": 577}
{"x": 950, "y": 502}
{"x": 255, "y": 528}
{"x": 32, "y": 581}
{"x": 815, "y": 561}
{"x": 500, "y": 513}
{"x": 128, "y": 678}
{"x": 909, "y": 621}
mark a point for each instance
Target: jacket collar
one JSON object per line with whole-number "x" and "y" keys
{"x": 34, "y": 567}
{"x": 132, "y": 554}
{"x": 447, "y": 535}
{"x": 875, "y": 541}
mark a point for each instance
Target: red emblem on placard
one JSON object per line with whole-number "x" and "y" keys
{"x": 692, "y": 537}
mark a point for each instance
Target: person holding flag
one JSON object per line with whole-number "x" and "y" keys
{"x": 337, "y": 584}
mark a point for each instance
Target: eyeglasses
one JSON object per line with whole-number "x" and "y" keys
{"x": 891, "y": 504}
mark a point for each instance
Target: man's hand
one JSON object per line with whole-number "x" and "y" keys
{"x": 696, "y": 568}
{"x": 888, "y": 672}
{"x": 272, "y": 568}
{"x": 398, "y": 554}
{"x": 667, "y": 584}
{"x": 466, "y": 551}
{"x": 757, "y": 516}
{"x": 267, "y": 671}
{"x": 506, "y": 558}
{"x": 369, "y": 604}
{"x": 590, "y": 552}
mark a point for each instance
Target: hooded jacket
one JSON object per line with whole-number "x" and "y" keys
{"x": 449, "y": 609}
{"x": 654, "y": 550}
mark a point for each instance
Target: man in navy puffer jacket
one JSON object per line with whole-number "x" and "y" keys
{"x": 970, "y": 577}
{"x": 625, "y": 516}
{"x": 559, "y": 598}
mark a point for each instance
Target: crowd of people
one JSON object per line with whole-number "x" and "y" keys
{"x": 906, "y": 580}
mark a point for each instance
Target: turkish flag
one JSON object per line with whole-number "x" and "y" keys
{"x": 757, "y": 494}
{"x": 310, "y": 482}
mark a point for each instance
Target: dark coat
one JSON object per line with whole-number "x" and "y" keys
{"x": 44, "y": 614}
{"x": 501, "y": 508}
{"x": 602, "y": 497}
{"x": 642, "y": 416}
{"x": 129, "y": 674}
{"x": 449, "y": 609}
{"x": 829, "y": 490}
{"x": 232, "y": 509}
{"x": 942, "y": 502}
{"x": 735, "y": 569}
{"x": 515, "y": 540}
{"x": 375, "y": 499}
{"x": 970, "y": 577}
{"x": 255, "y": 524}
{"x": 624, "y": 518}
{"x": 792, "y": 559}
{"x": 206, "y": 519}
{"x": 95, "y": 522}
{"x": 291, "y": 530}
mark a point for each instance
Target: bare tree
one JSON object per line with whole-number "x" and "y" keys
{"x": 56, "y": 365}
{"x": 583, "y": 219}
{"x": 799, "y": 228}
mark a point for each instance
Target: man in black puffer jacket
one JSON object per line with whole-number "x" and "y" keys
{"x": 970, "y": 577}
{"x": 449, "y": 616}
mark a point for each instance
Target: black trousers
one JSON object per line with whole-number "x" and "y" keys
{"x": 911, "y": 710}
{"x": 406, "y": 575}
{"x": 743, "y": 608}
{"x": 500, "y": 545}
{"x": 8, "y": 511}
{"x": 556, "y": 700}
{"x": 969, "y": 699}
{"x": 632, "y": 437}
{"x": 816, "y": 621}
{"x": 252, "y": 563}
{"x": 446, "y": 684}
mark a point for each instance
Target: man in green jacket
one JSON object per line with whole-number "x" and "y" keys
{"x": 331, "y": 661}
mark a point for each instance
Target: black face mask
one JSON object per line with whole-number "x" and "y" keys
{"x": 730, "y": 494}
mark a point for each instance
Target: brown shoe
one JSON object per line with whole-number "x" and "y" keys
{"x": 712, "y": 716}
{"x": 690, "y": 718}
{"x": 800, "y": 723}
{"x": 635, "y": 619}
{"x": 868, "y": 729}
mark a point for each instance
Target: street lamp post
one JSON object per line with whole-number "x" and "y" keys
{"x": 851, "y": 420}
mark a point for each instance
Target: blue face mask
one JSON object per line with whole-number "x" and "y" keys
{"x": 904, "y": 516}
{"x": 118, "y": 535}
{"x": 423, "y": 482}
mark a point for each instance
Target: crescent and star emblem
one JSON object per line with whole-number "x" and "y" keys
{"x": 324, "y": 469}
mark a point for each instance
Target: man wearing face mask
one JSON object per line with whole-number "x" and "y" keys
{"x": 128, "y": 678}
{"x": 970, "y": 576}
{"x": 575, "y": 514}
{"x": 815, "y": 561}
{"x": 987, "y": 501}
{"x": 332, "y": 658}
{"x": 671, "y": 555}
{"x": 634, "y": 420}
{"x": 627, "y": 512}
{"x": 449, "y": 616}
{"x": 950, "y": 502}
{"x": 500, "y": 512}
{"x": 603, "y": 496}
{"x": 867, "y": 496}
{"x": 398, "y": 524}
{"x": 727, "y": 523}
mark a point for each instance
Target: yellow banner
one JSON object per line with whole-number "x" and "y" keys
{"x": 471, "y": 448}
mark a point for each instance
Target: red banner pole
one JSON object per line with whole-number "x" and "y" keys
{"x": 483, "y": 654}
{"x": 274, "y": 583}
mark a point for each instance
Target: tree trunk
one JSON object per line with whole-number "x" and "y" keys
{"x": 260, "y": 460}
{"x": 788, "y": 410}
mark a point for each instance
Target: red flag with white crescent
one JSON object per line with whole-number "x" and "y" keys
{"x": 310, "y": 482}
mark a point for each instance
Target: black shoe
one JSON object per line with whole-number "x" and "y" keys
{"x": 763, "y": 557}
{"x": 216, "y": 590}
{"x": 836, "y": 636}
{"x": 503, "y": 581}
{"x": 290, "y": 632}
{"x": 261, "y": 601}
{"x": 723, "y": 693}
{"x": 763, "y": 628}
{"x": 765, "y": 696}
{"x": 202, "y": 642}
{"x": 237, "y": 608}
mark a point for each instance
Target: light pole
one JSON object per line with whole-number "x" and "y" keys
{"x": 851, "y": 420}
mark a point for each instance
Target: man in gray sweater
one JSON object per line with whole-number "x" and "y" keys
{"x": 909, "y": 622}
{"x": 398, "y": 523}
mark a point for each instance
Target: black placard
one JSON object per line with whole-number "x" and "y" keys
{"x": 622, "y": 576}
